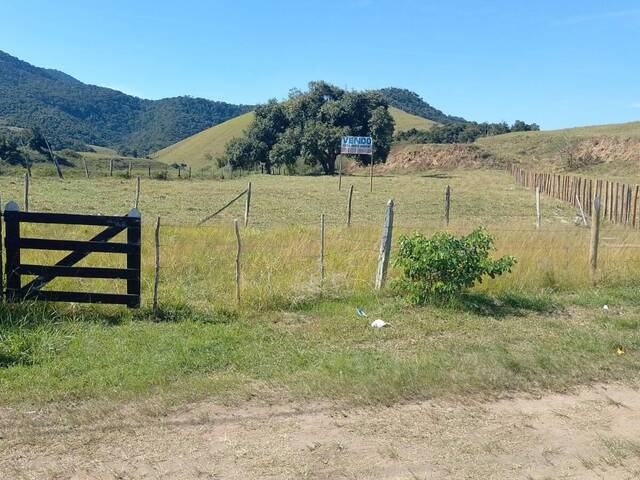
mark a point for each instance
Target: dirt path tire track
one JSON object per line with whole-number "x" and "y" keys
{"x": 591, "y": 434}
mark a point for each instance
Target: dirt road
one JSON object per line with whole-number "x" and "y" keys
{"x": 593, "y": 433}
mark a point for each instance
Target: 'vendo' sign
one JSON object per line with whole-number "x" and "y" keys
{"x": 356, "y": 146}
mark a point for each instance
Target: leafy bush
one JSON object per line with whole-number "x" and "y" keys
{"x": 443, "y": 266}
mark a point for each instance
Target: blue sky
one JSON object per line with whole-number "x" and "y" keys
{"x": 558, "y": 63}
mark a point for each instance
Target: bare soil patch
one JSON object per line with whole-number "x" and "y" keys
{"x": 421, "y": 157}
{"x": 591, "y": 433}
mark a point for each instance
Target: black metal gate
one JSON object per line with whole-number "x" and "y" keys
{"x": 79, "y": 249}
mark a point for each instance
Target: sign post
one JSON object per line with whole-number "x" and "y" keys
{"x": 359, "y": 146}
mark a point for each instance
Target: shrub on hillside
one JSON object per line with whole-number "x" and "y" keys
{"x": 444, "y": 266}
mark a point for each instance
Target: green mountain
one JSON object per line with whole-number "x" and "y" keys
{"x": 69, "y": 111}
{"x": 412, "y": 103}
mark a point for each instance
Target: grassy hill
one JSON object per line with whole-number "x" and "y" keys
{"x": 406, "y": 121}
{"x": 612, "y": 149}
{"x": 201, "y": 150}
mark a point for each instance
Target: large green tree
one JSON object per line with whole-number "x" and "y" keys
{"x": 309, "y": 126}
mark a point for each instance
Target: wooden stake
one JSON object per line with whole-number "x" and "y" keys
{"x": 209, "y": 217}
{"x": 595, "y": 237}
{"x": 349, "y": 206}
{"x": 340, "y": 173}
{"x": 129, "y": 171}
{"x": 635, "y": 206}
{"x": 247, "y": 205}
{"x": 156, "y": 276}
{"x": 616, "y": 203}
{"x": 26, "y": 192}
{"x": 447, "y": 204}
{"x": 111, "y": 167}
{"x": 579, "y": 205}
{"x": 385, "y": 247}
{"x": 607, "y": 200}
{"x": 321, "y": 249}
{"x": 137, "y": 200}
{"x": 149, "y": 168}
{"x": 53, "y": 158}
{"x": 629, "y": 213}
{"x": 86, "y": 169}
{"x": 238, "y": 251}
{"x": 538, "y": 207}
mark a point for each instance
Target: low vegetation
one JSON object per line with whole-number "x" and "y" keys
{"x": 445, "y": 266}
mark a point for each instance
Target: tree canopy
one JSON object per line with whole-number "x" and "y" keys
{"x": 462, "y": 132}
{"x": 309, "y": 126}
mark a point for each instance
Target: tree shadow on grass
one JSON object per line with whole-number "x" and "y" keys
{"x": 437, "y": 175}
{"x": 507, "y": 304}
{"x": 180, "y": 312}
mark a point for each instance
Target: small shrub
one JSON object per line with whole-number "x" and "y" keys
{"x": 444, "y": 266}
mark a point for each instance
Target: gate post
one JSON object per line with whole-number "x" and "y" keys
{"x": 12, "y": 246}
{"x": 133, "y": 258}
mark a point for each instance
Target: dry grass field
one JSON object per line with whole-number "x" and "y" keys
{"x": 290, "y": 334}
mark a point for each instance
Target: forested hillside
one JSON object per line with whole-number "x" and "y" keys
{"x": 412, "y": 103}
{"x": 68, "y": 111}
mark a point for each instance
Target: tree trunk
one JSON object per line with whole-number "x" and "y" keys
{"x": 329, "y": 165}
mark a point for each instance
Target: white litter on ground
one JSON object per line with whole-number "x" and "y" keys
{"x": 379, "y": 324}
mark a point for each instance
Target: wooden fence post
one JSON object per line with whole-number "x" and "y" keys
{"x": 635, "y": 207}
{"x": 385, "y": 247}
{"x": 54, "y": 160}
{"x": 149, "y": 168}
{"x": 616, "y": 203}
{"x": 595, "y": 237}
{"x": 26, "y": 192}
{"x": 321, "y": 250}
{"x": 340, "y": 173}
{"x": 156, "y": 276}
{"x": 129, "y": 171}
{"x": 86, "y": 168}
{"x": 584, "y": 218}
{"x": 538, "y": 207}
{"x": 349, "y": 206}
{"x": 137, "y": 200}
{"x": 238, "y": 251}
{"x": 189, "y": 172}
{"x": 111, "y": 167}
{"x": 447, "y": 204}
{"x": 371, "y": 175}
{"x": 627, "y": 217}
{"x": 247, "y": 205}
